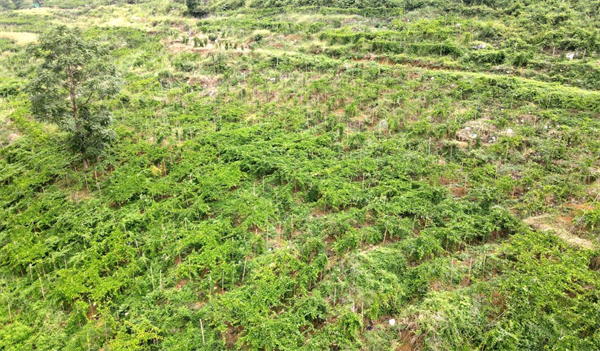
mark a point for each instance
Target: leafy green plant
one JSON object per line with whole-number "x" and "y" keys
{"x": 71, "y": 81}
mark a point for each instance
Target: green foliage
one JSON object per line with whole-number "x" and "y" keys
{"x": 15, "y": 4}
{"x": 197, "y": 8}
{"x": 71, "y": 81}
{"x": 300, "y": 173}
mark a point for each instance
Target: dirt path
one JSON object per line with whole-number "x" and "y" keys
{"x": 560, "y": 228}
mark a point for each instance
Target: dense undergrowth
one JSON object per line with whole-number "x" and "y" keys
{"x": 294, "y": 174}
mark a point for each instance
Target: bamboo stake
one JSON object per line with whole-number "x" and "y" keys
{"x": 42, "y": 288}
{"x": 334, "y": 294}
{"x": 470, "y": 267}
{"x": 152, "y": 277}
{"x": 202, "y": 331}
{"x": 244, "y": 271}
{"x": 483, "y": 267}
{"x": 451, "y": 272}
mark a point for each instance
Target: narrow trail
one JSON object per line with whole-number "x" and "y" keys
{"x": 554, "y": 224}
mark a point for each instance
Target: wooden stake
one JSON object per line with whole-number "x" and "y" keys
{"x": 244, "y": 271}
{"x": 334, "y": 294}
{"x": 483, "y": 268}
{"x": 152, "y": 277}
{"x": 42, "y": 288}
{"x": 97, "y": 184}
{"x": 470, "y": 267}
{"x": 202, "y": 331}
{"x": 451, "y": 271}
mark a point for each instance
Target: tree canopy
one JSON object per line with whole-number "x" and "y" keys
{"x": 72, "y": 79}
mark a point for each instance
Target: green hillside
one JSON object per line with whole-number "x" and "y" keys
{"x": 304, "y": 175}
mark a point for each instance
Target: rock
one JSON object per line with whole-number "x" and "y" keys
{"x": 570, "y": 56}
{"x": 383, "y": 125}
{"x": 481, "y": 129}
{"x": 480, "y": 46}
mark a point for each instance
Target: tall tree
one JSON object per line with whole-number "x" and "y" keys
{"x": 7, "y": 5}
{"x": 197, "y": 8}
{"x": 72, "y": 79}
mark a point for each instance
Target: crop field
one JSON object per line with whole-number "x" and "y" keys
{"x": 308, "y": 175}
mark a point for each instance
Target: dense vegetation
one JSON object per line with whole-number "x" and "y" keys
{"x": 308, "y": 175}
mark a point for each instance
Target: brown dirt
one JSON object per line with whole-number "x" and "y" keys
{"x": 437, "y": 286}
{"x": 231, "y": 336}
{"x": 459, "y": 191}
{"x": 576, "y": 206}
{"x": 465, "y": 281}
{"x": 407, "y": 346}
{"x": 295, "y": 37}
{"x": 409, "y": 341}
{"x": 499, "y": 301}
{"x": 446, "y": 181}
{"x": 91, "y": 313}
{"x": 180, "y": 284}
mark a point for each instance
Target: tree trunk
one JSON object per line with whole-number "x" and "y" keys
{"x": 85, "y": 161}
{"x": 72, "y": 95}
